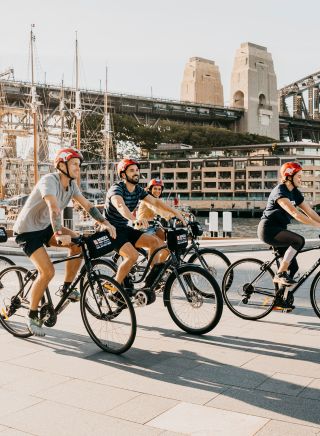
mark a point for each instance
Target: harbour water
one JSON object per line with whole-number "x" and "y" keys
{"x": 247, "y": 228}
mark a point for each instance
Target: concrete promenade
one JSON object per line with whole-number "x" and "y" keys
{"x": 243, "y": 378}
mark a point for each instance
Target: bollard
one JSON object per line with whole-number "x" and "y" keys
{"x": 68, "y": 216}
{"x": 213, "y": 224}
{"x": 226, "y": 224}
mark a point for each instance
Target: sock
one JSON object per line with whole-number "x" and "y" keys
{"x": 33, "y": 313}
{"x": 66, "y": 286}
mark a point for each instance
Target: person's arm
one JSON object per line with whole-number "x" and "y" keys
{"x": 307, "y": 209}
{"x": 286, "y": 204}
{"x": 95, "y": 213}
{"x": 159, "y": 204}
{"x": 55, "y": 219}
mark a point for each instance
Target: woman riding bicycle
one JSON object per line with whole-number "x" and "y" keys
{"x": 281, "y": 208}
{"x": 149, "y": 212}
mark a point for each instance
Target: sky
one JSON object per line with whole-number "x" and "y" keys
{"x": 146, "y": 44}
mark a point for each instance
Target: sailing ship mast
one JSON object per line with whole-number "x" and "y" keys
{"x": 34, "y": 107}
{"x": 107, "y": 134}
{"x": 78, "y": 110}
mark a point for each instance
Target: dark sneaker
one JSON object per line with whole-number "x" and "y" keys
{"x": 151, "y": 296}
{"x": 284, "y": 279}
{"x": 35, "y": 326}
{"x": 283, "y": 305}
{"x": 74, "y": 296}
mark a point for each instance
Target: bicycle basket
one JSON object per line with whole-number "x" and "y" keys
{"x": 3, "y": 235}
{"x": 196, "y": 229}
{"x": 99, "y": 244}
{"x": 177, "y": 240}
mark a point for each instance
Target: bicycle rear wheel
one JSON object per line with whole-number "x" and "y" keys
{"x": 109, "y": 317}
{"x": 212, "y": 260}
{"x": 15, "y": 300}
{"x": 193, "y": 299}
{"x": 252, "y": 292}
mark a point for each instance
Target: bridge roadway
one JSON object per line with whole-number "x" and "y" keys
{"x": 244, "y": 378}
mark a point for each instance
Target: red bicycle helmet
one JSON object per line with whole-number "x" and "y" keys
{"x": 65, "y": 154}
{"x": 290, "y": 169}
{"x": 155, "y": 182}
{"x": 124, "y": 164}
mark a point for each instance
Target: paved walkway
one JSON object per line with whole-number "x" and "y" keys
{"x": 244, "y": 378}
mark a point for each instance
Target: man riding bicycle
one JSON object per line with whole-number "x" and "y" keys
{"x": 39, "y": 224}
{"x": 122, "y": 199}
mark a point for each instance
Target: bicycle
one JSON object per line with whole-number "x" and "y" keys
{"x": 252, "y": 295}
{"x": 108, "y": 318}
{"x": 209, "y": 258}
{"x": 191, "y": 295}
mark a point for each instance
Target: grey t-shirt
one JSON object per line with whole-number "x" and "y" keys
{"x": 34, "y": 215}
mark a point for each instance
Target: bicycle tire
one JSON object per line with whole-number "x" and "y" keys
{"x": 208, "y": 298}
{"x": 214, "y": 260}
{"x": 314, "y": 294}
{"x": 5, "y": 262}
{"x": 119, "y": 314}
{"x": 14, "y": 299}
{"x": 252, "y": 292}
{"x": 102, "y": 265}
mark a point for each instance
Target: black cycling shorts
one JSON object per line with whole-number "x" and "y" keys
{"x": 126, "y": 234}
{"x": 31, "y": 241}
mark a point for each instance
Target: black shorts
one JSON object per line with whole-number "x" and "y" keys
{"x": 31, "y": 241}
{"x": 126, "y": 234}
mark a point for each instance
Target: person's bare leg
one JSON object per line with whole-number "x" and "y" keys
{"x": 43, "y": 264}
{"x": 130, "y": 256}
{"x": 72, "y": 266}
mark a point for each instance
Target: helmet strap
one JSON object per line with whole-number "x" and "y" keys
{"x": 66, "y": 173}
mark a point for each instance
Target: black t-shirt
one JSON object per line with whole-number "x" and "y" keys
{"x": 131, "y": 200}
{"x": 274, "y": 212}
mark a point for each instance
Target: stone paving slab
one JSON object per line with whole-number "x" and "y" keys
{"x": 202, "y": 420}
{"x": 49, "y": 419}
{"x": 286, "y": 429}
{"x": 269, "y": 405}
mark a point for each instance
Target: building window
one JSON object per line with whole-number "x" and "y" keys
{"x": 211, "y": 185}
{"x": 168, "y": 186}
{"x": 168, "y": 176}
{"x": 269, "y": 185}
{"x": 196, "y": 165}
{"x": 211, "y": 163}
{"x": 181, "y": 176}
{"x": 183, "y": 164}
{"x": 240, "y": 175}
{"x": 182, "y": 186}
{"x": 224, "y": 185}
{"x": 271, "y": 174}
{"x": 255, "y": 174}
{"x": 211, "y": 175}
{"x": 196, "y": 176}
{"x": 255, "y": 185}
{"x": 225, "y": 175}
{"x": 307, "y": 184}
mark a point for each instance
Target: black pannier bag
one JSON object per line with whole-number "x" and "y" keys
{"x": 196, "y": 229}
{"x": 99, "y": 244}
{"x": 3, "y": 235}
{"x": 177, "y": 240}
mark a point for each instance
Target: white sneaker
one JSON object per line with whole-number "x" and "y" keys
{"x": 35, "y": 326}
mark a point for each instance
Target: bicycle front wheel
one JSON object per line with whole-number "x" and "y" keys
{"x": 108, "y": 316}
{"x": 213, "y": 261}
{"x": 193, "y": 299}
{"x": 315, "y": 294}
{"x": 15, "y": 300}
{"x": 251, "y": 293}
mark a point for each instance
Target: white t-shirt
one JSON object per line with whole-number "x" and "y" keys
{"x": 34, "y": 215}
